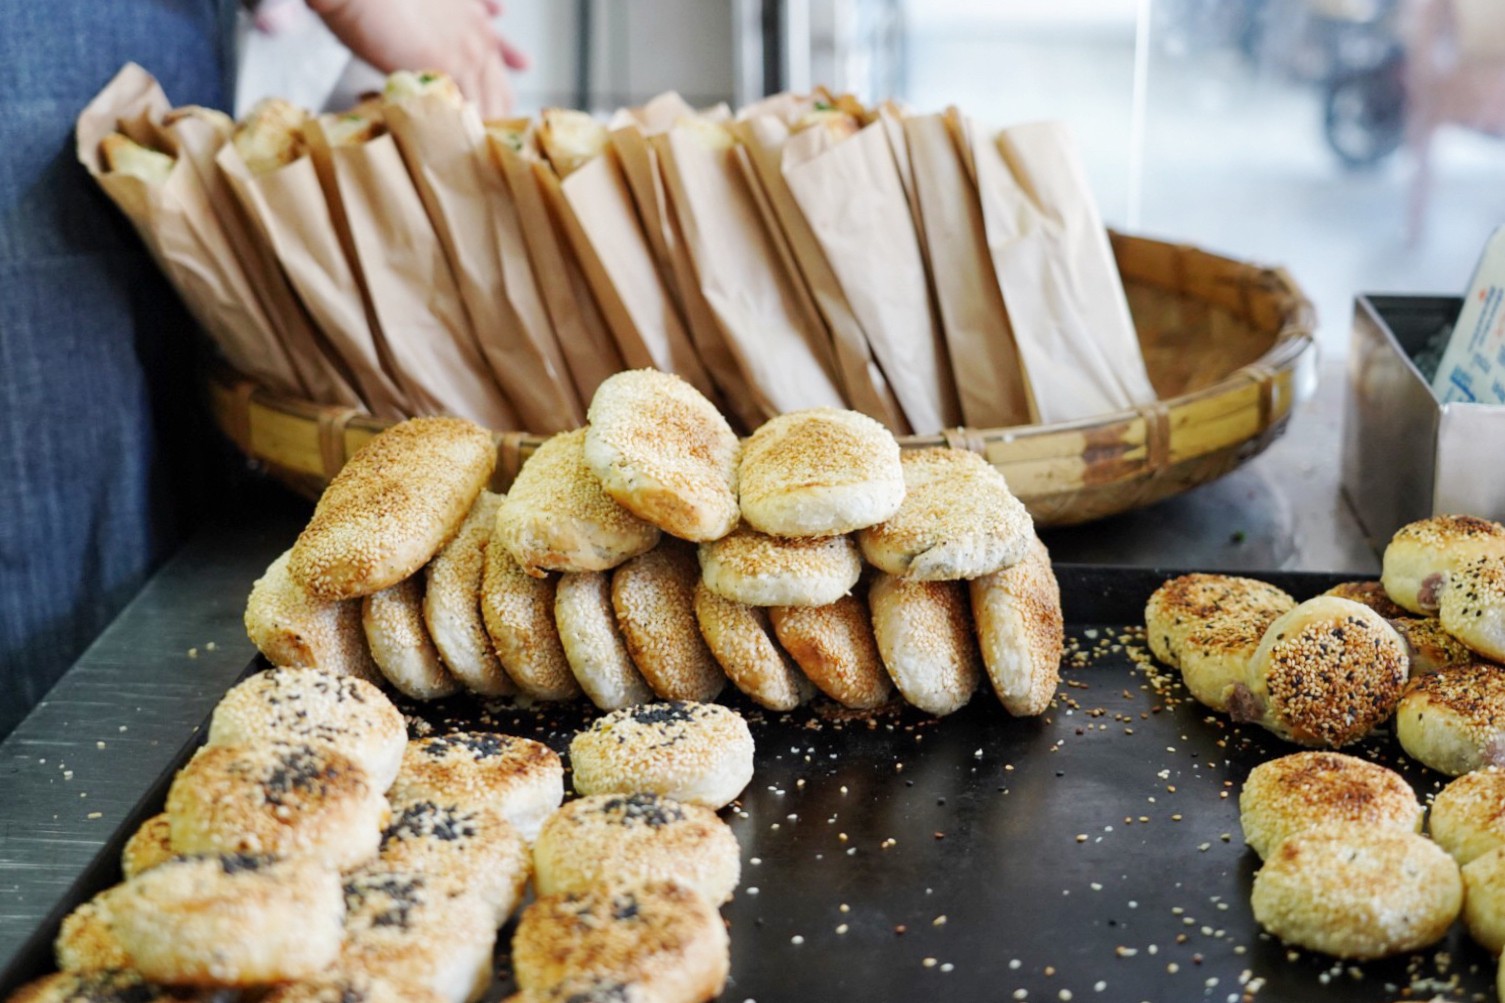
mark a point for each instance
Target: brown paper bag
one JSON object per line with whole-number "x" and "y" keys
{"x": 414, "y": 299}
{"x": 859, "y": 377}
{"x": 984, "y": 359}
{"x": 474, "y": 217}
{"x": 781, "y": 352}
{"x": 596, "y": 213}
{"x": 851, "y": 195}
{"x": 178, "y": 227}
{"x": 1055, "y": 268}
{"x": 589, "y": 352}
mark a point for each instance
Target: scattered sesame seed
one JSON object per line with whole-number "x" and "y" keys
{"x": 929, "y": 962}
{"x": 796, "y": 940}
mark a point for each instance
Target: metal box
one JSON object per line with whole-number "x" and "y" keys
{"x": 1405, "y": 455}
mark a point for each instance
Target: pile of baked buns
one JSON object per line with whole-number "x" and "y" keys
{"x": 310, "y": 852}
{"x": 1422, "y": 646}
{"x": 654, "y": 554}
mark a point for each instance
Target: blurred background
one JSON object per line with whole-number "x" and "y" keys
{"x": 1356, "y": 142}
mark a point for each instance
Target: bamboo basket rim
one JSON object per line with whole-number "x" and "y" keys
{"x": 1151, "y": 451}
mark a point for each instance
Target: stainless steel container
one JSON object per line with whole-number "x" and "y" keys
{"x": 1405, "y": 455}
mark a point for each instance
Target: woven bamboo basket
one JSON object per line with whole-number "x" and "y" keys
{"x": 1228, "y": 344}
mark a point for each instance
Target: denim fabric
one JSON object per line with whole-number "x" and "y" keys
{"x": 98, "y": 417}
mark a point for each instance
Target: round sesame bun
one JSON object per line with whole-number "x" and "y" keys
{"x": 292, "y": 628}
{"x": 284, "y": 799}
{"x": 461, "y": 848}
{"x": 520, "y": 778}
{"x": 654, "y": 598}
{"x": 1484, "y": 899}
{"x": 661, "y": 936}
{"x": 452, "y": 604}
{"x": 698, "y": 753}
{"x": 1371, "y": 594}
{"x": 101, "y": 987}
{"x": 589, "y": 989}
{"x": 958, "y": 520}
{"x": 593, "y": 642}
{"x": 518, "y": 611}
{"x": 1185, "y": 604}
{"x": 664, "y": 453}
{"x": 1468, "y": 815}
{"x": 1021, "y": 631}
{"x": 557, "y": 517}
{"x": 392, "y": 507}
{"x": 345, "y": 987}
{"x": 1429, "y": 647}
{"x": 148, "y": 846}
{"x": 400, "y": 643}
{"x": 86, "y": 941}
{"x": 319, "y": 709}
{"x": 1421, "y": 555}
{"x": 821, "y": 472}
{"x": 1357, "y": 892}
{"x": 629, "y": 839}
{"x": 835, "y": 648}
{"x": 761, "y": 570}
{"x": 1454, "y": 721}
{"x": 230, "y": 920}
{"x": 1293, "y": 793}
{"x": 741, "y": 638}
{"x": 1473, "y": 606}
{"x": 1326, "y": 674}
{"x": 401, "y": 926}
{"x": 926, "y": 641}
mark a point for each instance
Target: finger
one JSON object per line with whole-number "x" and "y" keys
{"x": 512, "y": 56}
{"x": 493, "y": 91}
{"x": 494, "y": 8}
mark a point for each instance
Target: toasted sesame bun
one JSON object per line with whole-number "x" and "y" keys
{"x": 926, "y": 640}
{"x": 401, "y": 926}
{"x": 1293, "y": 793}
{"x": 1217, "y": 657}
{"x": 835, "y": 648}
{"x": 557, "y": 517}
{"x": 1021, "y": 631}
{"x": 629, "y": 839}
{"x": 1429, "y": 647}
{"x": 452, "y": 604}
{"x": 742, "y": 640}
{"x": 694, "y": 752}
{"x": 395, "y": 504}
{"x": 958, "y": 520}
{"x": 1371, "y": 594}
{"x": 589, "y": 989}
{"x": 284, "y": 799}
{"x": 400, "y": 643}
{"x": 148, "y": 846}
{"x": 271, "y": 135}
{"x": 664, "y": 453}
{"x": 292, "y": 628}
{"x": 1322, "y": 889}
{"x": 1326, "y": 674}
{"x": 1421, "y": 555}
{"x": 593, "y": 642}
{"x": 821, "y": 472}
{"x": 518, "y": 611}
{"x": 1472, "y": 607}
{"x": 661, "y": 936}
{"x": 1185, "y": 604}
{"x": 1468, "y": 815}
{"x": 464, "y": 848}
{"x": 86, "y": 941}
{"x": 654, "y": 596}
{"x": 1454, "y": 721}
{"x": 750, "y": 567}
{"x": 1484, "y": 899}
{"x": 315, "y": 708}
{"x": 101, "y": 987}
{"x": 345, "y": 987}
{"x": 520, "y": 778}
{"x": 230, "y": 920}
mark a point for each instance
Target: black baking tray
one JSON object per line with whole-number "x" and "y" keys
{"x": 1091, "y": 853}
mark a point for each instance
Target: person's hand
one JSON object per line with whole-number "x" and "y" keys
{"x": 455, "y": 36}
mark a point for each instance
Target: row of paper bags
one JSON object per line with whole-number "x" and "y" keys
{"x": 406, "y": 258}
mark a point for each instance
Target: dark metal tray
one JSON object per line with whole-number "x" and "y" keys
{"x": 1093, "y": 853}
